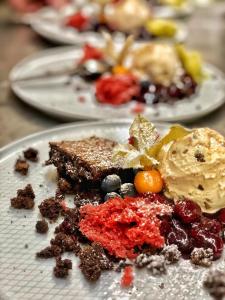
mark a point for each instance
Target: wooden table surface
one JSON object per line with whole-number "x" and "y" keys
{"x": 206, "y": 33}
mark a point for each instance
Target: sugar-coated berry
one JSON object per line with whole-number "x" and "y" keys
{"x": 178, "y": 235}
{"x": 127, "y": 189}
{"x": 221, "y": 216}
{"x": 111, "y": 195}
{"x": 148, "y": 181}
{"x": 187, "y": 211}
{"x": 111, "y": 183}
{"x": 207, "y": 240}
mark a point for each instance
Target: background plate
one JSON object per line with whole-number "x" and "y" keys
{"x": 22, "y": 277}
{"x": 76, "y": 100}
{"x": 48, "y": 23}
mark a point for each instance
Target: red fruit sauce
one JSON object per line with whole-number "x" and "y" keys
{"x": 121, "y": 226}
{"x": 127, "y": 277}
{"x": 90, "y": 52}
{"x": 78, "y": 21}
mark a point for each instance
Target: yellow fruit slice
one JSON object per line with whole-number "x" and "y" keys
{"x": 176, "y": 132}
{"x": 162, "y": 28}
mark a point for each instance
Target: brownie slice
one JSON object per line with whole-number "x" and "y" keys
{"x": 84, "y": 161}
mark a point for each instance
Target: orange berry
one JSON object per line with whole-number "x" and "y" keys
{"x": 148, "y": 181}
{"x": 120, "y": 70}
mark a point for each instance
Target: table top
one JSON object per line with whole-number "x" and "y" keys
{"x": 206, "y": 33}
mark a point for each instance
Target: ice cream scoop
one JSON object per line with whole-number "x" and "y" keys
{"x": 158, "y": 62}
{"x": 193, "y": 167}
{"x": 127, "y": 15}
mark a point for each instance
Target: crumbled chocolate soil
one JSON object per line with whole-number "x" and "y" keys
{"x": 202, "y": 257}
{"x": 90, "y": 197}
{"x": 104, "y": 262}
{"x": 61, "y": 270}
{"x": 59, "y": 195}
{"x": 49, "y": 252}
{"x": 25, "y": 198}
{"x": 157, "y": 265}
{"x": 171, "y": 254}
{"x": 64, "y": 241}
{"x": 50, "y": 208}
{"x": 215, "y": 284}
{"x": 21, "y": 166}
{"x": 142, "y": 260}
{"x": 64, "y": 186}
{"x": 93, "y": 261}
{"x": 42, "y": 226}
{"x": 90, "y": 265}
{"x": 70, "y": 222}
{"x": 31, "y": 154}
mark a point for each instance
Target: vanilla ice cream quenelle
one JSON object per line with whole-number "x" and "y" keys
{"x": 193, "y": 167}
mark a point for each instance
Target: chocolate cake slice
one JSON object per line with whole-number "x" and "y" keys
{"x": 85, "y": 162}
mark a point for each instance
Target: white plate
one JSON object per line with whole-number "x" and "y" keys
{"x": 48, "y": 23}
{"x": 22, "y": 277}
{"x": 170, "y": 12}
{"x": 62, "y": 100}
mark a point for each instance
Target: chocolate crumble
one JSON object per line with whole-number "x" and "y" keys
{"x": 70, "y": 222}
{"x": 202, "y": 257}
{"x": 215, "y": 284}
{"x": 93, "y": 261}
{"x": 31, "y": 154}
{"x": 50, "y": 208}
{"x": 142, "y": 260}
{"x": 61, "y": 270}
{"x": 156, "y": 265}
{"x": 42, "y": 226}
{"x": 64, "y": 241}
{"x": 21, "y": 166}
{"x": 25, "y": 198}
{"x": 171, "y": 254}
{"x": 49, "y": 252}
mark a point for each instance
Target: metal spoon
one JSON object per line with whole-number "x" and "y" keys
{"x": 90, "y": 69}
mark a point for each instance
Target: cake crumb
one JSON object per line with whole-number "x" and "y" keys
{"x": 90, "y": 264}
{"x": 21, "y": 166}
{"x": 156, "y": 265}
{"x": 202, "y": 257}
{"x": 171, "y": 254}
{"x": 61, "y": 270}
{"x": 50, "y": 208}
{"x": 31, "y": 154}
{"x": 24, "y": 199}
{"x": 64, "y": 241}
{"x": 42, "y": 226}
{"x": 215, "y": 283}
{"x": 49, "y": 252}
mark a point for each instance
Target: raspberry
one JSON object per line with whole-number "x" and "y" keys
{"x": 187, "y": 211}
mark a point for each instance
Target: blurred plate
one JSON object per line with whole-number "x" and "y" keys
{"x": 74, "y": 99}
{"x": 169, "y": 12}
{"x": 22, "y": 277}
{"x": 48, "y": 23}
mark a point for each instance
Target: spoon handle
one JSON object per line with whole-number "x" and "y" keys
{"x": 47, "y": 75}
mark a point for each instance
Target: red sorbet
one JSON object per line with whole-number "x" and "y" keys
{"x": 127, "y": 277}
{"x": 90, "y": 52}
{"x": 78, "y": 21}
{"x": 117, "y": 89}
{"x": 122, "y": 225}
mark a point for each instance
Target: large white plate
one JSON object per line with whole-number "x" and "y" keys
{"x": 59, "y": 99}
{"x": 22, "y": 277}
{"x": 48, "y": 23}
